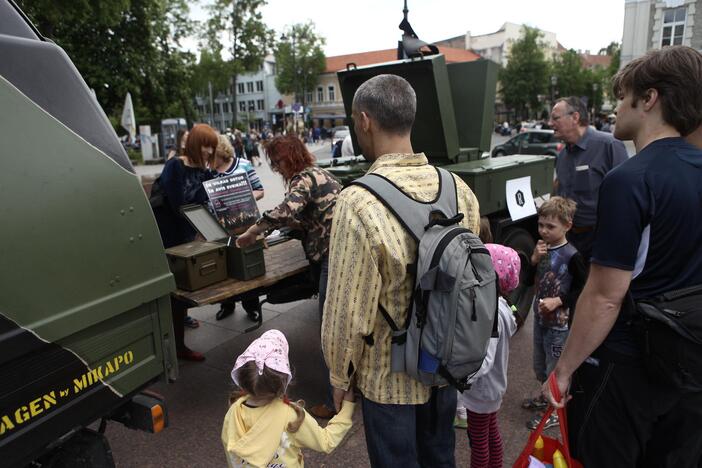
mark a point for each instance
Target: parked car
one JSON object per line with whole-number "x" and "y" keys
{"x": 338, "y": 134}
{"x": 530, "y": 142}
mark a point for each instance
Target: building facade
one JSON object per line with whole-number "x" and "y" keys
{"x": 496, "y": 46}
{"x": 258, "y": 102}
{"x": 651, "y": 24}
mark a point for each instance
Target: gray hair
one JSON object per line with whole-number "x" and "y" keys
{"x": 575, "y": 104}
{"x": 390, "y": 101}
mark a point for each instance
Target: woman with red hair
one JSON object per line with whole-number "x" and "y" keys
{"x": 180, "y": 183}
{"x": 308, "y": 206}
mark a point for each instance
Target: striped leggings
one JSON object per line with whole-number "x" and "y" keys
{"x": 485, "y": 440}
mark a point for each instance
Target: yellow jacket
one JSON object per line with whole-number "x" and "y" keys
{"x": 258, "y": 437}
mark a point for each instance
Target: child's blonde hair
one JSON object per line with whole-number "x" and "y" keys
{"x": 224, "y": 150}
{"x": 267, "y": 386}
{"x": 558, "y": 207}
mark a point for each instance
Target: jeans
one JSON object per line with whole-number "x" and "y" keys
{"x": 619, "y": 417}
{"x": 548, "y": 346}
{"x": 411, "y": 436}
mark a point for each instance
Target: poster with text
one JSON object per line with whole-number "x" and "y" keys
{"x": 233, "y": 202}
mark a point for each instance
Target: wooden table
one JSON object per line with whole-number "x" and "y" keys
{"x": 283, "y": 260}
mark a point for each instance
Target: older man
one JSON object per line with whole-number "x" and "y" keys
{"x": 587, "y": 157}
{"x": 649, "y": 231}
{"x": 407, "y": 423}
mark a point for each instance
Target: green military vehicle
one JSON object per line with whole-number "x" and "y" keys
{"x": 453, "y": 127}
{"x": 85, "y": 319}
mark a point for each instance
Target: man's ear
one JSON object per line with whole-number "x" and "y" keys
{"x": 650, "y": 98}
{"x": 365, "y": 122}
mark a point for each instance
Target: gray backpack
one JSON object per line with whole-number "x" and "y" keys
{"x": 453, "y": 309}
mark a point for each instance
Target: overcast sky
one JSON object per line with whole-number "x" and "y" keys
{"x": 351, "y": 26}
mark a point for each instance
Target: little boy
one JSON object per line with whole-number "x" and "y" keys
{"x": 559, "y": 272}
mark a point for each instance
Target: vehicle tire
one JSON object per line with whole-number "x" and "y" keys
{"x": 520, "y": 240}
{"x": 499, "y": 153}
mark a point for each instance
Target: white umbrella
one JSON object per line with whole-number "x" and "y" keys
{"x": 128, "y": 121}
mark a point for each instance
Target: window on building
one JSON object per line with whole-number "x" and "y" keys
{"x": 309, "y": 97}
{"x": 331, "y": 93}
{"x": 249, "y": 87}
{"x": 259, "y": 86}
{"x": 259, "y": 104}
{"x": 252, "y": 105}
{"x": 242, "y": 106}
{"x": 673, "y": 26}
{"x": 320, "y": 94}
{"x": 226, "y": 107}
{"x": 240, "y": 88}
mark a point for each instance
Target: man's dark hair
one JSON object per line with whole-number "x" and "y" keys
{"x": 676, "y": 73}
{"x": 575, "y": 104}
{"x": 390, "y": 101}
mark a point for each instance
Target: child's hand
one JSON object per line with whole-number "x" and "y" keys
{"x": 549, "y": 304}
{"x": 539, "y": 251}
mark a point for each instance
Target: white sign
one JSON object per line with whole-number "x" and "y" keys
{"x": 520, "y": 201}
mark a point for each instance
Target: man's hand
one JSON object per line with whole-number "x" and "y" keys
{"x": 339, "y": 395}
{"x": 549, "y": 304}
{"x": 539, "y": 251}
{"x": 563, "y": 387}
{"x": 246, "y": 239}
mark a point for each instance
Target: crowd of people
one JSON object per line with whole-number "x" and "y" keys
{"x": 617, "y": 232}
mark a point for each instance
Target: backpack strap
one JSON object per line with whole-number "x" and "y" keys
{"x": 414, "y": 215}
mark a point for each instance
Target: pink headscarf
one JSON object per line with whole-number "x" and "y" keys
{"x": 269, "y": 350}
{"x": 507, "y": 265}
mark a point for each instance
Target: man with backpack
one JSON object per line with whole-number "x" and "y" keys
{"x": 636, "y": 340}
{"x": 373, "y": 266}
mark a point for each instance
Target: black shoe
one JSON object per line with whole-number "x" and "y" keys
{"x": 224, "y": 312}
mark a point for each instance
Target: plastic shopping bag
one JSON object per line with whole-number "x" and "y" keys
{"x": 550, "y": 444}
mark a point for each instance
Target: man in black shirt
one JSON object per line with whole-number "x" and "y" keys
{"x": 647, "y": 242}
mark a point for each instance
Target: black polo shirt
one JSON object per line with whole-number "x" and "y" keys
{"x": 650, "y": 223}
{"x": 581, "y": 167}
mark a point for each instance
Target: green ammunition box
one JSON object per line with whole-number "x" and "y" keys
{"x": 242, "y": 264}
{"x": 247, "y": 263}
{"x": 197, "y": 264}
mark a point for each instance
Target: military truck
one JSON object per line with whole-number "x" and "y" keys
{"x": 85, "y": 319}
{"x": 453, "y": 127}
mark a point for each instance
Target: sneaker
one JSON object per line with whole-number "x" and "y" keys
{"x": 187, "y": 354}
{"x": 190, "y": 322}
{"x": 536, "y": 403}
{"x": 552, "y": 421}
{"x": 460, "y": 423}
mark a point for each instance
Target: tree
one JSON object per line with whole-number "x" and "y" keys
{"x": 124, "y": 45}
{"x": 300, "y": 59}
{"x": 526, "y": 74}
{"x": 570, "y": 74}
{"x": 249, "y": 39}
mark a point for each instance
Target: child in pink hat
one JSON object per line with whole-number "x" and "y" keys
{"x": 484, "y": 398}
{"x": 262, "y": 427}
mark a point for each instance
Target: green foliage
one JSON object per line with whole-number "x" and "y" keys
{"x": 211, "y": 69}
{"x": 526, "y": 75}
{"x": 240, "y": 23}
{"x": 300, "y": 59}
{"x": 124, "y": 45}
{"x": 569, "y": 73}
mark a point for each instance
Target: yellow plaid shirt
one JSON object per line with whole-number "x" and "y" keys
{"x": 368, "y": 257}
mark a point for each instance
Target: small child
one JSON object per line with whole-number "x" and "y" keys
{"x": 262, "y": 428}
{"x": 559, "y": 272}
{"x": 484, "y": 398}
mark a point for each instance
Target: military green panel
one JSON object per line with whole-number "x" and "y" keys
{"x": 84, "y": 263}
{"x": 434, "y": 130}
{"x": 473, "y": 91}
{"x": 488, "y": 177}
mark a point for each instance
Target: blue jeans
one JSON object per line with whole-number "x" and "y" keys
{"x": 411, "y": 436}
{"x": 548, "y": 346}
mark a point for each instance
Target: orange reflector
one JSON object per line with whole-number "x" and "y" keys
{"x": 157, "y": 418}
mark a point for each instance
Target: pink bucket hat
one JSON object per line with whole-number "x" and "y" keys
{"x": 507, "y": 265}
{"x": 269, "y": 350}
